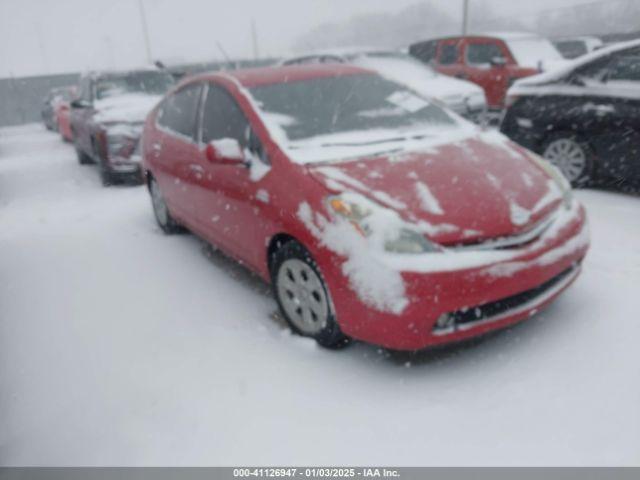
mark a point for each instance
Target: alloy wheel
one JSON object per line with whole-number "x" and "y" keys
{"x": 568, "y": 156}
{"x": 302, "y": 296}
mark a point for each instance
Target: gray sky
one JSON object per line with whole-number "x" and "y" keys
{"x": 44, "y": 36}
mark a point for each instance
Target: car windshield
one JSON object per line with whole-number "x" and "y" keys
{"x": 343, "y": 104}
{"x": 152, "y": 83}
{"x": 529, "y": 52}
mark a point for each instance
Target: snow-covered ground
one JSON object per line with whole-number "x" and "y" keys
{"x": 122, "y": 346}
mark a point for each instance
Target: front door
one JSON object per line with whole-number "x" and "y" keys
{"x": 228, "y": 195}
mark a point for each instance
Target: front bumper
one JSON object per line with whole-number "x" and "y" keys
{"x": 480, "y": 297}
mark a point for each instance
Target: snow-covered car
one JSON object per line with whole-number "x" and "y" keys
{"x": 50, "y": 103}
{"x": 464, "y": 98}
{"x": 108, "y": 115}
{"x": 584, "y": 118}
{"x": 492, "y": 60}
{"x": 376, "y": 214}
{"x": 574, "y": 47}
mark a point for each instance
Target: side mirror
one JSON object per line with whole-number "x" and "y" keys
{"x": 498, "y": 61}
{"x": 226, "y": 151}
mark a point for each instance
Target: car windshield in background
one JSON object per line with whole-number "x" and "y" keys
{"x": 529, "y": 52}
{"x": 572, "y": 48}
{"x": 152, "y": 83}
{"x": 334, "y": 105}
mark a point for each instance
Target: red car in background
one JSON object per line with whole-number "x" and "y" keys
{"x": 375, "y": 214}
{"x": 61, "y": 111}
{"x": 493, "y": 61}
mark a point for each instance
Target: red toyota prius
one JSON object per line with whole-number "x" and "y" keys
{"x": 374, "y": 213}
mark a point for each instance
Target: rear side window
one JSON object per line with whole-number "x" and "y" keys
{"x": 179, "y": 111}
{"x": 425, "y": 51}
{"x": 448, "y": 54}
{"x": 483, "y": 53}
{"x": 223, "y": 118}
{"x": 625, "y": 68}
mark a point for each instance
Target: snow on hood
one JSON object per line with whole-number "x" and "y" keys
{"x": 480, "y": 188}
{"x": 569, "y": 66}
{"x": 128, "y": 108}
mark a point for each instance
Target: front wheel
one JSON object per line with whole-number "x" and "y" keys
{"x": 303, "y": 296}
{"x": 573, "y": 158}
{"x": 161, "y": 211}
{"x": 83, "y": 158}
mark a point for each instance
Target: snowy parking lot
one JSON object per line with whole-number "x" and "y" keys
{"x": 122, "y": 346}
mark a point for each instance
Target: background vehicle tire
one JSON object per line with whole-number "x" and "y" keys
{"x": 573, "y": 157}
{"x": 83, "y": 158}
{"x": 106, "y": 177}
{"x": 303, "y": 297}
{"x": 161, "y": 210}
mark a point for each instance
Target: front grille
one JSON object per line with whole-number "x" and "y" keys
{"x": 468, "y": 317}
{"x": 513, "y": 241}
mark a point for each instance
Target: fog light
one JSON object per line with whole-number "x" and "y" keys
{"x": 444, "y": 322}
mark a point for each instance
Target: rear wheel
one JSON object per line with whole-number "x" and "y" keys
{"x": 160, "y": 209}
{"x": 303, "y": 296}
{"x": 572, "y": 156}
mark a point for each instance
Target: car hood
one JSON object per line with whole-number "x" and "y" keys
{"x": 129, "y": 108}
{"x": 479, "y": 189}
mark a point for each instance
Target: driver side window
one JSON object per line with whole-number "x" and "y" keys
{"x": 222, "y": 117}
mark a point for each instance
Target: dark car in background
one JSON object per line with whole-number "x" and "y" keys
{"x": 494, "y": 60}
{"x": 584, "y": 118}
{"x": 108, "y": 115}
{"x": 50, "y": 102}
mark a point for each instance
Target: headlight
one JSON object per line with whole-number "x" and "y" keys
{"x": 379, "y": 224}
{"x": 120, "y": 145}
{"x": 409, "y": 241}
{"x": 556, "y": 175}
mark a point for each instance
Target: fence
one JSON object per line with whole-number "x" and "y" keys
{"x": 21, "y": 99}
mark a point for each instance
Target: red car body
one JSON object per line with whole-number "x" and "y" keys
{"x": 62, "y": 112}
{"x": 496, "y": 65}
{"x": 487, "y": 274}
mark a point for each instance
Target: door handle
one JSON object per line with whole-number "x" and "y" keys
{"x": 196, "y": 168}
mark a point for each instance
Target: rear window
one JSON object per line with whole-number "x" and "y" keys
{"x": 425, "y": 52}
{"x": 448, "y": 54}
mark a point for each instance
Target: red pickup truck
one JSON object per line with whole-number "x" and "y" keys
{"x": 493, "y": 61}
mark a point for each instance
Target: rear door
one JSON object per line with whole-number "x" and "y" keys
{"x": 175, "y": 150}
{"x": 448, "y": 58}
{"x": 485, "y": 63}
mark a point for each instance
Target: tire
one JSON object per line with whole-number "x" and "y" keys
{"x": 161, "y": 210}
{"x": 303, "y": 297}
{"x": 106, "y": 177}
{"x": 573, "y": 157}
{"x": 83, "y": 158}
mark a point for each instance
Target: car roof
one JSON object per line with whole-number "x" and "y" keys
{"x": 254, "y": 77}
{"x": 120, "y": 73}
{"x": 505, "y": 36}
